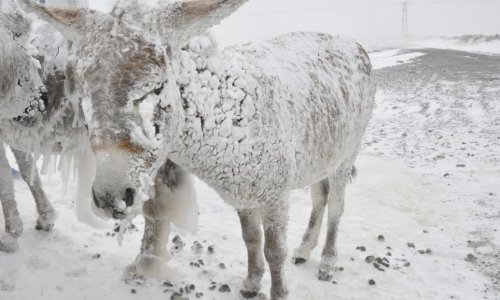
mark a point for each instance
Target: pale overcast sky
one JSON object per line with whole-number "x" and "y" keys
{"x": 371, "y": 21}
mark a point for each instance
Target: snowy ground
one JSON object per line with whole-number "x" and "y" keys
{"x": 428, "y": 176}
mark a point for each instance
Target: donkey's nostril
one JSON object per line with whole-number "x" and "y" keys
{"x": 94, "y": 198}
{"x": 129, "y": 197}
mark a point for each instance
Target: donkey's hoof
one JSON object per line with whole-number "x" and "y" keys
{"x": 325, "y": 275}
{"x": 8, "y": 244}
{"x": 299, "y": 260}
{"x": 13, "y": 227}
{"x": 253, "y": 295}
{"x": 132, "y": 277}
{"x": 43, "y": 227}
{"x": 46, "y": 220}
{"x": 249, "y": 294}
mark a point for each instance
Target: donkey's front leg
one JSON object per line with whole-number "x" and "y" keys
{"x": 153, "y": 254}
{"x": 156, "y": 231}
{"x": 252, "y": 235}
{"x": 46, "y": 212}
{"x": 275, "y": 221}
{"x": 13, "y": 223}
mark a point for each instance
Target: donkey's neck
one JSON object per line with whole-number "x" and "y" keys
{"x": 200, "y": 74}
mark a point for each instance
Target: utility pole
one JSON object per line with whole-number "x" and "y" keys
{"x": 65, "y": 3}
{"x": 404, "y": 24}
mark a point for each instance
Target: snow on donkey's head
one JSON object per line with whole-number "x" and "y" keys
{"x": 128, "y": 68}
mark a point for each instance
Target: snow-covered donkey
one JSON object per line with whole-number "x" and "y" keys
{"x": 19, "y": 80}
{"x": 21, "y": 87}
{"x": 253, "y": 121}
{"x": 47, "y": 120}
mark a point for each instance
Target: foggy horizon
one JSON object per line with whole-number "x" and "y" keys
{"x": 374, "y": 22}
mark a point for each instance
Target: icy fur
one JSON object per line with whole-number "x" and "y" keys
{"x": 52, "y": 124}
{"x": 19, "y": 79}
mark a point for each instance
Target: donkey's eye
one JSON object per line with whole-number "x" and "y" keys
{"x": 156, "y": 90}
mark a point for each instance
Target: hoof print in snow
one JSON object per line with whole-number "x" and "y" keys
{"x": 407, "y": 264}
{"x": 178, "y": 296}
{"x": 96, "y": 256}
{"x": 381, "y": 238}
{"x": 194, "y": 264}
{"x": 299, "y": 260}
{"x": 334, "y": 282}
{"x": 167, "y": 283}
{"x": 133, "y": 291}
{"x": 361, "y": 248}
{"x": 224, "y": 288}
{"x": 378, "y": 267}
{"x": 382, "y": 261}
{"x": 324, "y": 276}
{"x": 370, "y": 259}
{"x": 211, "y": 249}
{"x": 371, "y": 282}
{"x": 197, "y": 247}
{"x": 248, "y": 294}
{"x": 199, "y": 295}
{"x": 222, "y": 266}
{"x": 471, "y": 258}
{"x": 212, "y": 288}
{"x": 410, "y": 245}
{"x": 178, "y": 243}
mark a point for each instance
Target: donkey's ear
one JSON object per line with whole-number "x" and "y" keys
{"x": 193, "y": 17}
{"x": 123, "y": 7}
{"x": 70, "y": 21}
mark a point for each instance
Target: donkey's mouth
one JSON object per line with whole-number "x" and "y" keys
{"x": 118, "y": 215}
{"x": 109, "y": 211}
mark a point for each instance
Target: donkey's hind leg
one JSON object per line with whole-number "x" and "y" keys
{"x": 337, "y": 183}
{"x": 13, "y": 223}
{"x": 46, "y": 212}
{"x": 319, "y": 195}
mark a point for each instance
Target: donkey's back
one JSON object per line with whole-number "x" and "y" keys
{"x": 314, "y": 96}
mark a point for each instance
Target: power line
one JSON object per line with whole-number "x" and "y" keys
{"x": 404, "y": 24}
